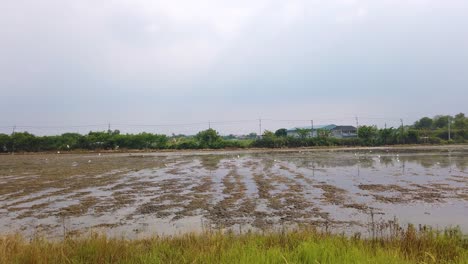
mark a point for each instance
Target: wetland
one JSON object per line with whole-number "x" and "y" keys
{"x": 168, "y": 193}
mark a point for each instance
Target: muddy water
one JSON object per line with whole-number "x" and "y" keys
{"x": 137, "y": 195}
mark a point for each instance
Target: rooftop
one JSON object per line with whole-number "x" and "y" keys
{"x": 327, "y": 127}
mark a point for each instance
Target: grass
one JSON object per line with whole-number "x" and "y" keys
{"x": 305, "y": 246}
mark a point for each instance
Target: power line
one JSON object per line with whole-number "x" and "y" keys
{"x": 52, "y": 127}
{"x": 241, "y": 123}
{"x": 187, "y": 124}
{"x": 163, "y": 125}
{"x": 108, "y": 125}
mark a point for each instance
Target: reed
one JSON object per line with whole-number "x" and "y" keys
{"x": 402, "y": 245}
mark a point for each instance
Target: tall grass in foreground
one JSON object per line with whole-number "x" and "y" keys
{"x": 305, "y": 246}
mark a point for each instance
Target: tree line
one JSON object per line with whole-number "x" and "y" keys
{"x": 441, "y": 129}
{"x": 114, "y": 140}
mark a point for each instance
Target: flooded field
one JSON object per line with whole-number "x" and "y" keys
{"x": 137, "y": 195}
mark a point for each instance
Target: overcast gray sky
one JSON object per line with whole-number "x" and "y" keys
{"x": 74, "y": 63}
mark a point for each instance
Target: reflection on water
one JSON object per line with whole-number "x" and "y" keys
{"x": 172, "y": 193}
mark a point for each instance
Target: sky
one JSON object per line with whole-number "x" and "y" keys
{"x": 181, "y": 66}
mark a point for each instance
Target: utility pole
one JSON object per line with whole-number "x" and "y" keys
{"x": 402, "y": 130}
{"x": 312, "y": 128}
{"x": 13, "y": 141}
{"x": 385, "y": 134}
{"x": 448, "y": 119}
{"x": 209, "y": 124}
{"x": 108, "y": 128}
{"x": 260, "y": 127}
{"x": 357, "y": 126}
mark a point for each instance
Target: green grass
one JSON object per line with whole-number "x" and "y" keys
{"x": 306, "y": 246}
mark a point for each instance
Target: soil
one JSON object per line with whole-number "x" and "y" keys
{"x": 173, "y": 192}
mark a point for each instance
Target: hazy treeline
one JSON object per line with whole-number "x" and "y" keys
{"x": 113, "y": 140}
{"x": 426, "y": 130}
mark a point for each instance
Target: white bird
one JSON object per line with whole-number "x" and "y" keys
{"x": 58, "y": 152}
{"x": 89, "y": 161}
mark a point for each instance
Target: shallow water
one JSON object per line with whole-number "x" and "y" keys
{"x": 137, "y": 195}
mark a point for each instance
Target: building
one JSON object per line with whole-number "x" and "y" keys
{"x": 333, "y": 130}
{"x": 344, "y": 132}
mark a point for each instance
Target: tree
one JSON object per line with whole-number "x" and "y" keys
{"x": 441, "y": 121}
{"x": 24, "y": 141}
{"x": 268, "y": 134}
{"x": 141, "y": 141}
{"x": 4, "y": 142}
{"x": 208, "y": 137}
{"x": 460, "y": 121}
{"x": 229, "y": 137}
{"x": 368, "y": 134}
{"x": 323, "y": 133}
{"x": 270, "y": 140}
{"x": 282, "y": 132}
{"x": 387, "y": 136}
{"x": 68, "y": 141}
{"x": 99, "y": 140}
{"x": 252, "y": 135}
{"x": 412, "y": 136}
{"x": 303, "y": 132}
{"x": 423, "y": 123}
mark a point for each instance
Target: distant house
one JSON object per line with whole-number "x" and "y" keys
{"x": 335, "y": 131}
{"x": 344, "y": 132}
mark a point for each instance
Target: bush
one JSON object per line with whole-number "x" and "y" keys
{"x": 435, "y": 140}
{"x": 350, "y": 142}
{"x": 186, "y": 144}
{"x": 5, "y": 143}
{"x": 437, "y": 133}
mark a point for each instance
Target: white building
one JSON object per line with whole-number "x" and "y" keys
{"x": 334, "y": 130}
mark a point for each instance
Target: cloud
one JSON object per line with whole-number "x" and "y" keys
{"x": 143, "y": 58}
{"x": 361, "y": 12}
